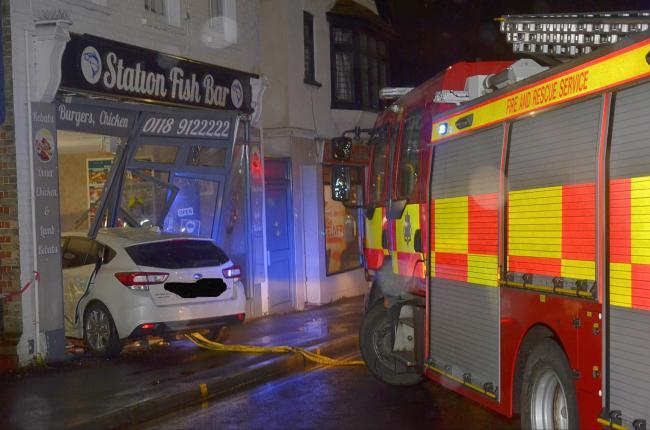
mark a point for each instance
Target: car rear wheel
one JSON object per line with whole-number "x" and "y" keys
{"x": 100, "y": 334}
{"x": 548, "y": 393}
{"x": 376, "y": 349}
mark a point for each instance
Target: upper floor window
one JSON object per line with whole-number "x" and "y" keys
{"x": 216, "y": 8}
{"x": 156, "y": 6}
{"x": 223, "y": 23}
{"x": 359, "y": 68}
{"x": 308, "y": 34}
{"x": 163, "y": 12}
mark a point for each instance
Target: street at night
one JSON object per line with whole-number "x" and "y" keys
{"x": 336, "y": 398}
{"x": 325, "y": 214}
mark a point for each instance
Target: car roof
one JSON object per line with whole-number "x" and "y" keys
{"x": 125, "y": 236}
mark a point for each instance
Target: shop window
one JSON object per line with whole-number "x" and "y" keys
{"x": 342, "y": 223}
{"x": 407, "y": 172}
{"x": 145, "y": 198}
{"x": 194, "y": 207}
{"x": 308, "y": 36}
{"x": 156, "y": 154}
{"x": 206, "y": 156}
{"x": 359, "y": 60}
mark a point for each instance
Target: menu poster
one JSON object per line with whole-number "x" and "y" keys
{"x": 98, "y": 170}
{"x": 47, "y": 229}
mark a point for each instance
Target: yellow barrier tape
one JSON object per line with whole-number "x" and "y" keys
{"x": 610, "y": 424}
{"x": 201, "y": 341}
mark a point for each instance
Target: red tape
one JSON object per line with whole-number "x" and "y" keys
{"x": 12, "y": 296}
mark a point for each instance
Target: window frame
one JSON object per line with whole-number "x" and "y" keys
{"x": 224, "y": 24}
{"x": 360, "y": 83}
{"x": 413, "y": 194}
{"x": 309, "y": 45}
{"x": 358, "y": 217}
{"x": 381, "y": 200}
{"x": 170, "y": 19}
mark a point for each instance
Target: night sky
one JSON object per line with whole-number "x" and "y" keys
{"x": 438, "y": 33}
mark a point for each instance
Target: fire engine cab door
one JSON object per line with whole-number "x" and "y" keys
{"x": 407, "y": 263}
{"x": 464, "y": 297}
{"x": 629, "y": 258}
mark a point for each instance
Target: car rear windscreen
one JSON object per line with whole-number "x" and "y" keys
{"x": 177, "y": 254}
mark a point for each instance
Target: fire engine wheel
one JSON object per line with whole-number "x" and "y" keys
{"x": 375, "y": 345}
{"x": 548, "y": 392}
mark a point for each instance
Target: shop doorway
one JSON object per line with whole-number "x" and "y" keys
{"x": 279, "y": 229}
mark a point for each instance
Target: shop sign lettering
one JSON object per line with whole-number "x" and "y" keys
{"x": 45, "y": 178}
{"x": 94, "y": 119}
{"x": 216, "y": 127}
{"x": 101, "y": 65}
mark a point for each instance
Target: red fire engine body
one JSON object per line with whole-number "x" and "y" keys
{"x": 508, "y": 241}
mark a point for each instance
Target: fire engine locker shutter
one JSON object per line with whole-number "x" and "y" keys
{"x": 551, "y": 230}
{"x": 464, "y": 331}
{"x": 629, "y": 343}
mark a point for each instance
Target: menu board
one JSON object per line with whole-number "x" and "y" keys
{"x": 98, "y": 170}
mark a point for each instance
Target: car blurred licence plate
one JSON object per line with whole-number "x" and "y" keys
{"x": 201, "y": 288}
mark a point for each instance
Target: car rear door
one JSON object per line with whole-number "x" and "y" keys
{"x": 78, "y": 262}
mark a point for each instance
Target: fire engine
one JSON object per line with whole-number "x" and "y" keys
{"x": 507, "y": 227}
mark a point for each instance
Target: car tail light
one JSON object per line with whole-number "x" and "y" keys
{"x": 232, "y": 272}
{"x": 141, "y": 280}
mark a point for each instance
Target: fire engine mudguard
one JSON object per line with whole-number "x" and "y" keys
{"x": 376, "y": 343}
{"x": 548, "y": 398}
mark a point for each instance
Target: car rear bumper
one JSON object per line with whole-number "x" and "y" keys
{"x": 188, "y": 326}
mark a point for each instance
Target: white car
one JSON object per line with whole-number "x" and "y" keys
{"x": 131, "y": 283}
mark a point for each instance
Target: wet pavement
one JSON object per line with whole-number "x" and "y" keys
{"x": 77, "y": 391}
{"x": 337, "y": 398}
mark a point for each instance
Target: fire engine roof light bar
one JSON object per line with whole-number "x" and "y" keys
{"x": 570, "y": 34}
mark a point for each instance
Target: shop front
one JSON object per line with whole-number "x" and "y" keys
{"x": 136, "y": 138}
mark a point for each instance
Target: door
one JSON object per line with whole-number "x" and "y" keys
{"x": 278, "y": 234}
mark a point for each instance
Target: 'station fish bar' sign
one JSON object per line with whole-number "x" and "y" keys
{"x": 98, "y": 65}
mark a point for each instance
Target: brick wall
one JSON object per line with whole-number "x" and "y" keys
{"x": 10, "y": 311}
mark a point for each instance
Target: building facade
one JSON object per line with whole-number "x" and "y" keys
{"x": 82, "y": 77}
{"x": 324, "y": 62}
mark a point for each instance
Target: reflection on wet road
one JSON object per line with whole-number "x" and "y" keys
{"x": 337, "y": 398}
